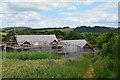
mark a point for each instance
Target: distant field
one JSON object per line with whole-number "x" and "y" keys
{"x": 64, "y": 30}
{"x": 2, "y": 33}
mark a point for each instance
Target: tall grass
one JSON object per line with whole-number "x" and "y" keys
{"x": 59, "y": 68}
{"x": 105, "y": 68}
{"x": 31, "y": 55}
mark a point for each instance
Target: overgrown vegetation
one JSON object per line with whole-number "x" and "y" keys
{"x": 105, "y": 68}
{"x": 60, "y": 68}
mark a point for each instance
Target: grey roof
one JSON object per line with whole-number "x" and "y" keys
{"x": 36, "y": 38}
{"x": 80, "y": 43}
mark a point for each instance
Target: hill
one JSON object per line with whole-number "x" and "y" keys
{"x": 95, "y": 29}
{"x": 64, "y": 29}
{"x": 7, "y": 29}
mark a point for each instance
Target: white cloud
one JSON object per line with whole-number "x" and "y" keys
{"x": 36, "y": 6}
{"x": 107, "y": 6}
{"x": 86, "y": 2}
{"x": 21, "y": 19}
{"x": 72, "y": 8}
{"x": 97, "y": 15}
{"x": 29, "y": 14}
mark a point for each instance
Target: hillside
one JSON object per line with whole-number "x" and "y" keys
{"x": 7, "y": 29}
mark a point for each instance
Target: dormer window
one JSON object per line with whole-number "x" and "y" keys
{"x": 26, "y": 44}
{"x": 54, "y": 42}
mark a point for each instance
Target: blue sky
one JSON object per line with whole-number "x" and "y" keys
{"x": 47, "y": 13}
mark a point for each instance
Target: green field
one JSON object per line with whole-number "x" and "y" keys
{"x": 63, "y": 30}
{"x": 2, "y": 33}
{"x": 87, "y": 66}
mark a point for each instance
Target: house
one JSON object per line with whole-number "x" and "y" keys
{"x": 34, "y": 42}
{"x": 36, "y": 39}
{"x": 76, "y": 45}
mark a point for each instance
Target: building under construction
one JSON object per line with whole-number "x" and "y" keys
{"x": 46, "y": 43}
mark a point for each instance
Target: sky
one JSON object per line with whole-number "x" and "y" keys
{"x": 58, "y": 13}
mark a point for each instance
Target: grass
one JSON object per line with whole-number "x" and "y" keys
{"x": 42, "y": 68}
{"x": 105, "y": 68}
{"x": 60, "y": 68}
{"x": 31, "y": 55}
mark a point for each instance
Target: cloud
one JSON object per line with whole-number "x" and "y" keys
{"x": 86, "y": 2}
{"x": 97, "y": 15}
{"x": 36, "y": 6}
{"x": 30, "y": 14}
{"x": 107, "y": 6}
{"x": 20, "y": 19}
{"x": 72, "y": 8}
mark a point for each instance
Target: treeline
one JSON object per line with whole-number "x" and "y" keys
{"x": 31, "y": 29}
{"x": 93, "y": 29}
{"x": 55, "y": 28}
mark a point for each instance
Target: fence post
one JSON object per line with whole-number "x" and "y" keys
{"x": 65, "y": 50}
{"x": 50, "y": 49}
{"x": 4, "y": 51}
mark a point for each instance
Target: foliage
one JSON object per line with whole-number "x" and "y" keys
{"x": 108, "y": 60}
{"x": 94, "y": 29}
{"x": 72, "y": 36}
{"x": 107, "y": 68}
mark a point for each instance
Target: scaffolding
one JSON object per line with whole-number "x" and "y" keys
{"x": 66, "y": 50}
